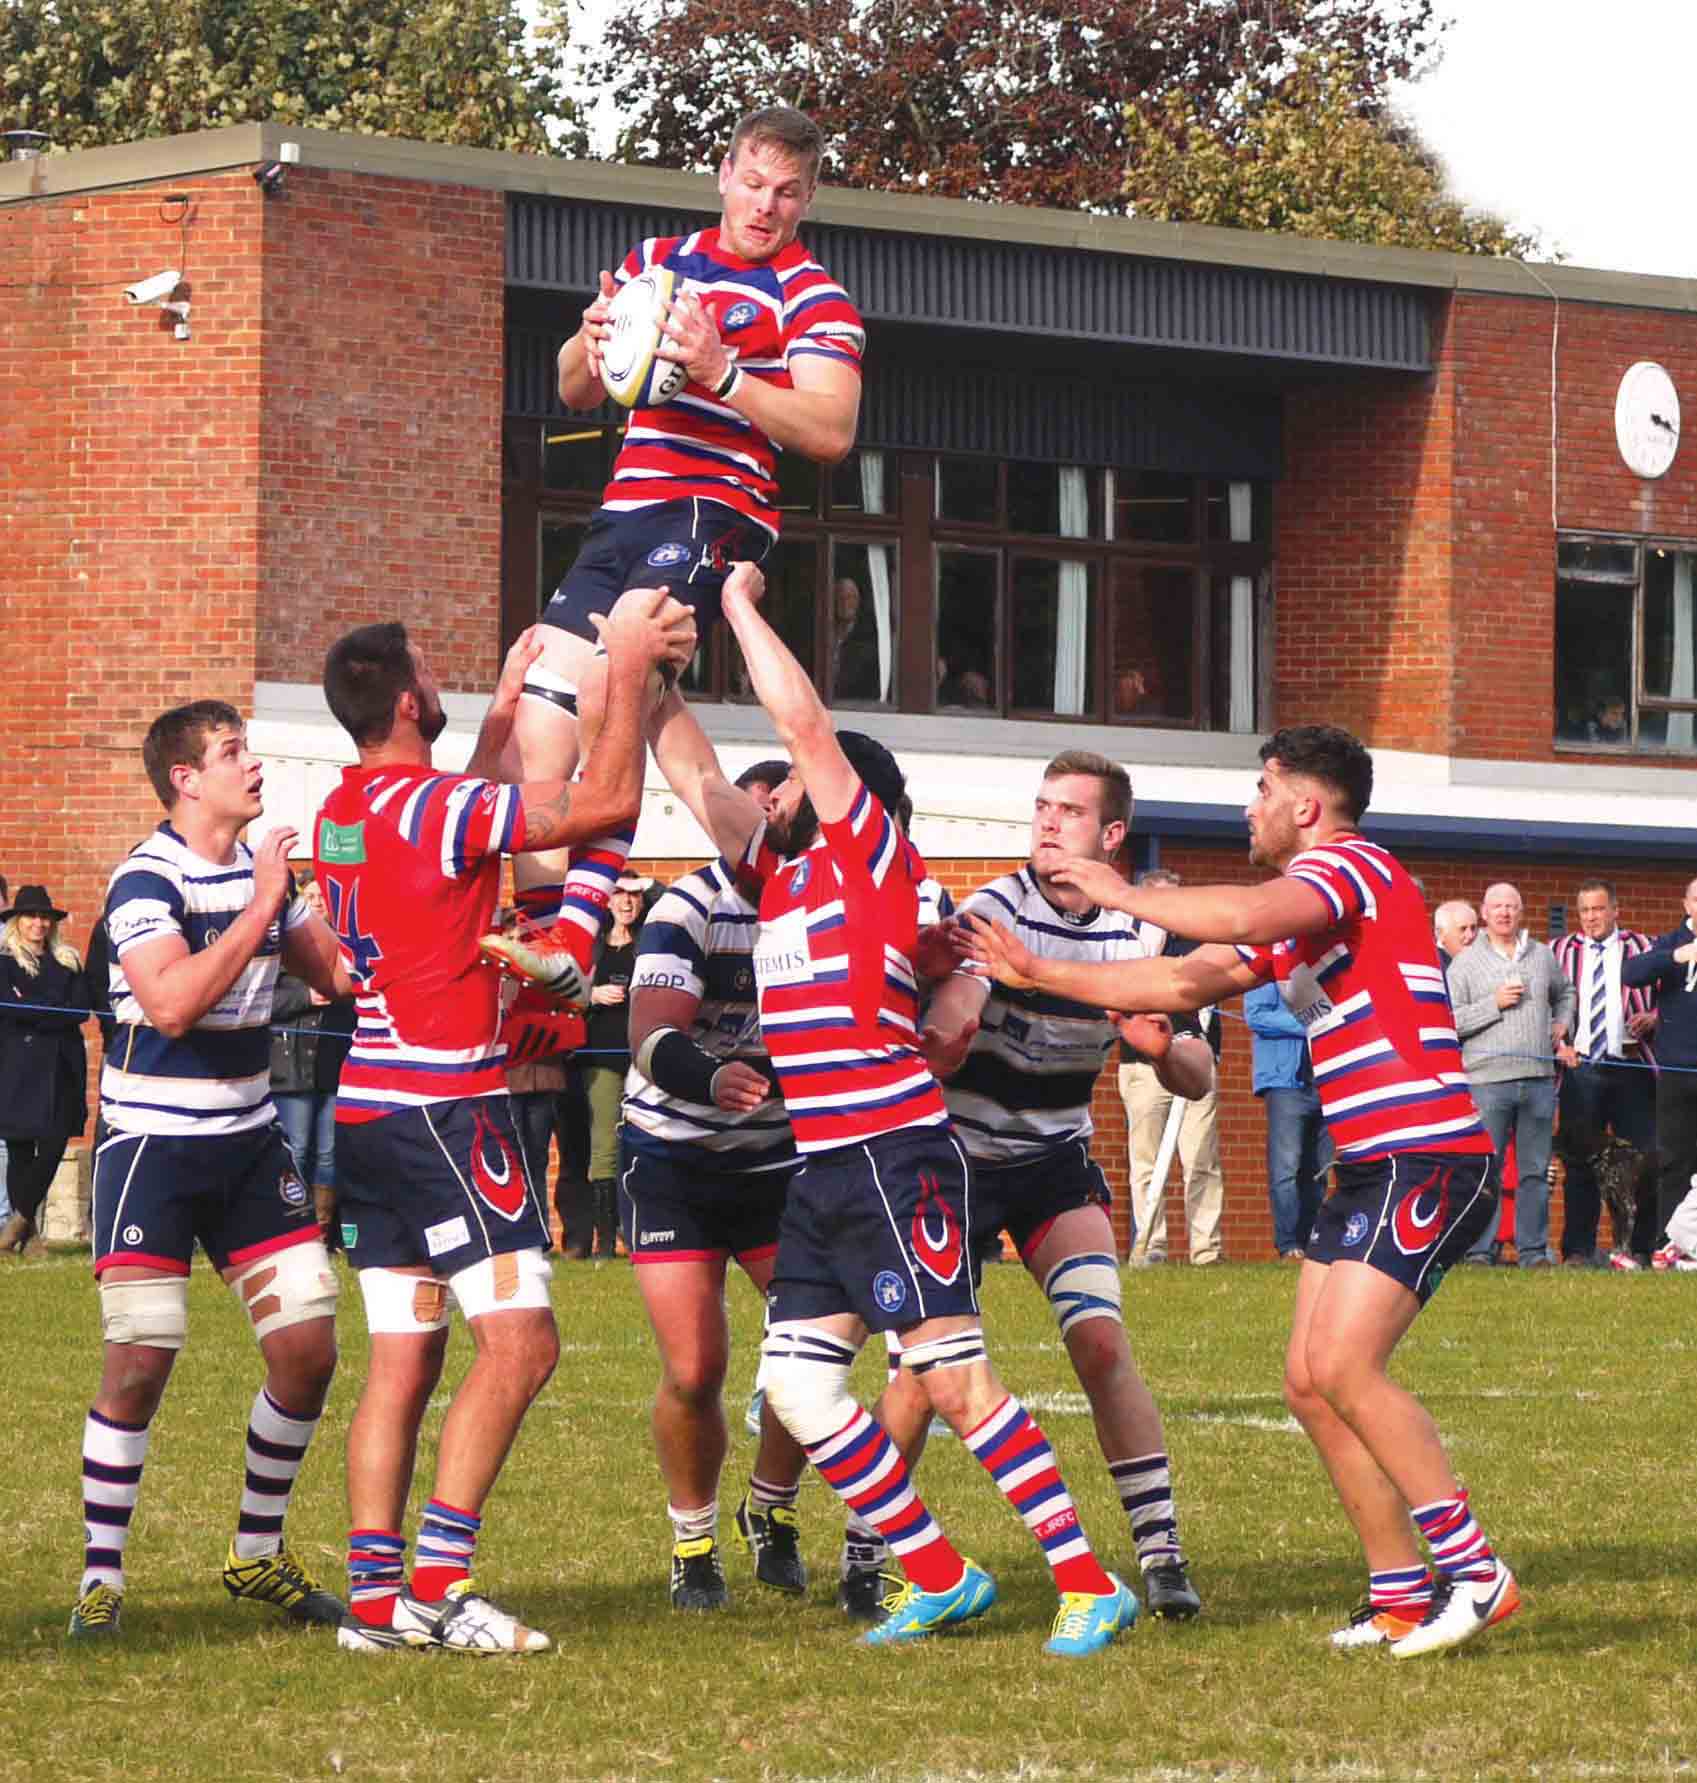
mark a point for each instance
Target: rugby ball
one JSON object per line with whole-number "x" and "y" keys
{"x": 634, "y": 375}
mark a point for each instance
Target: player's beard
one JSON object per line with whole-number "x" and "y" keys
{"x": 432, "y": 720}
{"x": 797, "y": 833}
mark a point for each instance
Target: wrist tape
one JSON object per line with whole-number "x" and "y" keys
{"x": 672, "y": 1062}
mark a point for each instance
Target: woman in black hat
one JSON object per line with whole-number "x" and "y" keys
{"x": 43, "y": 1069}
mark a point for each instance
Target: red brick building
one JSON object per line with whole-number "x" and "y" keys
{"x": 1136, "y": 487}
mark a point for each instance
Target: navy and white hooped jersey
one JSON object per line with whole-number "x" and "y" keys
{"x": 216, "y": 1078}
{"x": 699, "y": 939}
{"x": 1026, "y": 1083}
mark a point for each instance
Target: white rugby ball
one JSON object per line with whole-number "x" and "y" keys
{"x": 630, "y": 367}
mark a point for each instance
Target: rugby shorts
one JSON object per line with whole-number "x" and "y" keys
{"x": 676, "y": 1209}
{"x": 1024, "y": 1199}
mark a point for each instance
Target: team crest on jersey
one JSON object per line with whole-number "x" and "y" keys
{"x": 1421, "y": 1213}
{"x": 942, "y": 1253}
{"x": 889, "y": 1290}
{"x": 739, "y": 315}
{"x": 1355, "y": 1228}
{"x": 664, "y": 556}
{"x": 800, "y": 877}
{"x": 495, "y": 1168}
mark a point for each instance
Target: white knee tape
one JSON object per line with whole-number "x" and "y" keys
{"x": 807, "y": 1373}
{"x": 1083, "y": 1287}
{"x": 510, "y": 1282}
{"x": 288, "y": 1288}
{"x": 958, "y": 1350}
{"x": 151, "y": 1312}
{"x": 402, "y": 1305}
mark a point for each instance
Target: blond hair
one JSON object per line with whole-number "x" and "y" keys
{"x": 13, "y": 943}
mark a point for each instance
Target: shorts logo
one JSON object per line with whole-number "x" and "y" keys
{"x": 449, "y": 1235}
{"x": 940, "y": 1256}
{"x": 739, "y": 315}
{"x": 1355, "y": 1228}
{"x": 664, "y": 556}
{"x": 350, "y": 1234}
{"x": 657, "y": 1237}
{"x": 495, "y": 1168}
{"x": 292, "y": 1189}
{"x": 132, "y": 1235}
{"x": 1421, "y": 1214}
{"x": 889, "y": 1290}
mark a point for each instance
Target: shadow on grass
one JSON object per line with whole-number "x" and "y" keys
{"x": 153, "y": 1629}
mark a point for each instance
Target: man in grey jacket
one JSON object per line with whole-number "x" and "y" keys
{"x": 1513, "y": 1011}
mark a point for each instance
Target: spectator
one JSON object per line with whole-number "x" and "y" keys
{"x": 1669, "y": 968}
{"x": 1299, "y": 1149}
{"x": 1149, "y": 1111}
{"x": 1513, "y": 1008}
{"x": 854, "y": 645}
{"x": 43, "y": 1068}
{"x": 608, "y": 1052}
{"x": 1454, "y": 926}
{"x": 1605, "y": 1087}
{"x": 1609, "y": 722}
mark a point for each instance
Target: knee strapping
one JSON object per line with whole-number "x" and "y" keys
{"x": 1083, "y": 1287}
{"x": 512, "y": 1281}
{"x": 288, "y": 1288}
{"x": 151, "y": 1312}
{"x": 960, "y": 1349}
{"x": 807, "y": 1373}
{"x": 544, "y": 684}
{"x": 402, "y": 1305}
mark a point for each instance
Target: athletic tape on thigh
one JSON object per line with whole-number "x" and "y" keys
{"x": 288, "y": 1288}
{"x": 402, "y": 1305}
{"x": 959, "y": 1350}
{"x": 544, "y": 684}
{"x": 510, "y": 1282}
{"x": 151, "y": 1312}
{"x": 1083, "y": 1287}
{"x": 807, "y": 1373}
{"x": 893, "y": 1354}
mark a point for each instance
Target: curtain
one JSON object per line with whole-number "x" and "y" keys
{"x": 878, "y": 567}
{"x": 1240, "y": 518}
{"x": 1680, "y": 683}
{"x": 1072, "y": 613}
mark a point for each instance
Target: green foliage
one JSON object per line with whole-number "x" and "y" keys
{"x": 1309, "y": 158}
{"x": 91, "y": 72}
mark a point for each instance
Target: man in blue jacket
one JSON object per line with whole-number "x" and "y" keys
{"x": 1299, "y": 1150}
{"x": 1670, "y": 967}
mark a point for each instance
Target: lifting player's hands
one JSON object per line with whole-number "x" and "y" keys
{"x": 946, "y": 1053}
{"x": 1149, "y": 1035}
{"x": 527, "y": 647}
{"x": 1101, "y": 883}
{"x": 272, "y": 880}
{"x": 593, "y": 331}
{"x": 648, "y": 623}
{"x": 690, "y": 338}
{"x": 995, "y": 949}
{"x": 746, "y": 582}
{"x": 739, "y": 1088}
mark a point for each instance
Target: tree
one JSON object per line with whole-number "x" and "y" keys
{"x": 1308, "y": 159}
{"x": 89, "y": 72}
{"x": 1023, "y": 102}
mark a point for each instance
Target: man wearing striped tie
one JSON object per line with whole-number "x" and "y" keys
{"x": 1609, "y": 1083}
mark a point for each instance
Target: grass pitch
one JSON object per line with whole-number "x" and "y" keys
{"x": 1565, "y": 1397}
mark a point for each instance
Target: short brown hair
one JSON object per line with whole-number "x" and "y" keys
{"x": 781, "y": 127}
{"x": 1114, "y": 782}
{"x": 1602, "y": 885}
{"x": 177, "y": 739}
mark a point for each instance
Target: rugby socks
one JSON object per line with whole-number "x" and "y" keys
{"x": 377, "y": 1560}
{"x": 864, "y": 1549}
{"x": 447, "y": 1544}
{"x": 696, "y": 1525}
{"x": 1459, "y": 1548}
{"x": 1145, "y": 1487}
{"x": 276, "y": 1445}
{"x": 538, "y": 906}
{"x": 112, "y": 1458}
{"x": 591, "y": 869}
{"x": 865, "y": 1469}
{"x": 1017, "y": 1456}
{"x": 1401, "y": 1591}
{"x": 766, "y": 1498}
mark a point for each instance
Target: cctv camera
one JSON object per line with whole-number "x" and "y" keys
{"x": 155, "y": 289}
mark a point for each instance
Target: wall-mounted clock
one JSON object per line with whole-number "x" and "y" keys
{"x": 1647, "y": 419}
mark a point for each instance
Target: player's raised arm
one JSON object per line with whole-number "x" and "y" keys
{"x": 792, "y": 702}
{"x": 951, "y": 1022}
{"x": 691, "y": 766}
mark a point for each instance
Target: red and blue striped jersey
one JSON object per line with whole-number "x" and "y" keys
{"x": 410, "y": 862}
{"x": 839, "y": 1000}
{"x": 1370, "y": 992}
{"x": 769, "y": 315}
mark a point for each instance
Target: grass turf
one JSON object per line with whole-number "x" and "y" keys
{"x": 1563, "y": 1395}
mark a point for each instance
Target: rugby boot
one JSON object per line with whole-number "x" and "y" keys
{"x": 536, "y": 1027}
{"x": 280, "y": 1579}
{"x": 465, "y": 1621}
{"x": 1169, "y": 1593}
{"x": 698, "y": 1581}
{"x": 773, "y": 1538}
{"x": 1088, "y": 1620}
{"x": 911, "y": 1614}
{"x": 1368, "y": 1627}
{"x": 355, "y": 1636}
{"x": 98, "y": 1615}
{"x": 541, "y": 956}
{"x": 1460, "y": 1609}
{"x": 861, "y": 1592}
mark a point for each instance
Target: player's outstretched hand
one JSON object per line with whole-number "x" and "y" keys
{"x": 271, "y": 876}
{"x": 1150, "y": 1035}
{"x": 594, "y": 328}
{"x": 945, "y": 1054}
{"x": 745, "y": 582}
{"x": 527, "y": 646}
{"x": 648, "y": 623}
{"x": 942, "y": 946}
{"x": 1007, "y": 960}
{"x": 739, "y": 1088}
{"x": 1101, "y": 884}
